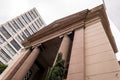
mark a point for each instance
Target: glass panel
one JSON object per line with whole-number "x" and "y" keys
{"x": 42, "y": 23}
{"x": 19, "y": 38}
{"x": 23, "y": 35}
{"x": 10, "y": 29}
{"x": 10, "y": 49}
{"x": 4, "y": 56}
{"x": 37, "y": 25}
{"x": 35, "y": 12}
{"x": 31, "y": 16}
{"x": 15, "y": 25}
{"x": 2, "y": 40}
{"x": 4, "y": 32}
{"x": 24, "y": 19}
{"x": 26, "y": 31}
{"x": 31, "y": 29}
{"x": 15, "y": 44}
{"x": 39, "y": 22}
{"x": 20, "y": 23}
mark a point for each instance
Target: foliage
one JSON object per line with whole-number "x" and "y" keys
{"x": 56, "y": 72}
{"x": 2, "y": 67}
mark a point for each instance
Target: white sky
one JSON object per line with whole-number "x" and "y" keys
{"x": 50, "y": 10}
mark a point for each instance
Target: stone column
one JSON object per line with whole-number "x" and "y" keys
{"x": 11, "y": 72}
{"x": 76, "y": 69}
{"x": 64, "y": 48}
{"x": 20, "y": 74}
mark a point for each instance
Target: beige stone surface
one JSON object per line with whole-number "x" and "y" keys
{"x": 101, "y": 57}
{"x": 20, "y": 74}
{"x": 100, "y": 60}
{"x": 76, "y": 69}
{"x": 103, "y": 67}
{"x": 76, "y": 76}
{"x": 105, "y": 76}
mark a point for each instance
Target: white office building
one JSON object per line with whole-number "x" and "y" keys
{"x": 13, "y": 32}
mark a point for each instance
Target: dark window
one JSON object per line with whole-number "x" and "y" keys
{"x": 37, "y": 24}
{"x": 15, "y": 25}
{"x": 27, "y": 18}
{"x": 23, "y": 36}
{"x": 2, "y": 40}
{"x": 4, "y": 32}
{"x": 10, "y": 29}
{"x": 10, "y": 49}
{"x": 15, "y": 44}
{"x": 35, "y": 12}
{"x": 26, "y": 31}
{"x": 4, "y": 56}
{"x": 31, "y": 15}
{"x": 20, "y": 23}
{"x": 24, "y": 19}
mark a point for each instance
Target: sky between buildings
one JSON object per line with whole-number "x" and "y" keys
{"x": 50, "y": 10}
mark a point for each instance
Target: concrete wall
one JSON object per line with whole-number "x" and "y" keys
{"x": 100, "y": 60}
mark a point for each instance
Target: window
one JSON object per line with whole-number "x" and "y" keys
{"x": 31, "y": 16}
{"x": 19, "y": 39}
{"x": 23, "y": 36}
{"x": 26, "y": 31}
{"x": 15, "y": 44}
{"x": 24, "y": 19}
{"x": 4, "y": 32}
{"x": 4, "y": 56}
{"x": 35, "y": 12}
{"x": 10, "y": 29}
{"x": 42, "y": 23}
{"x": 37, "y": 24}
{"x": 2, "y": 40}
{"x": 34, "y": 26}
{"x": 20, "y": 23}
{"x": 31, "y": 29}
{"x": 15, "y": 25}
{"x": 10, "y": 49}
{"x": 27, "y": 18}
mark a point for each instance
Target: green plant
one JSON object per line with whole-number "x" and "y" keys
{"x": 2, "y": 67}
{"x": 57, "y": 71}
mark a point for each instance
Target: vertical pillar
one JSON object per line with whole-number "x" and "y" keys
{"x": 10, "y": 73}
{"x": 64, "y": 48}
{"x": 76, "y": 69}
{"x": 20, "y": 74}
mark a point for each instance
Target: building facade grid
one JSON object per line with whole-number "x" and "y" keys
{"x": 13, "y": 32}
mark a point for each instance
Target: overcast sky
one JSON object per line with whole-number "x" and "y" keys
{"x": 50, "y": 10}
